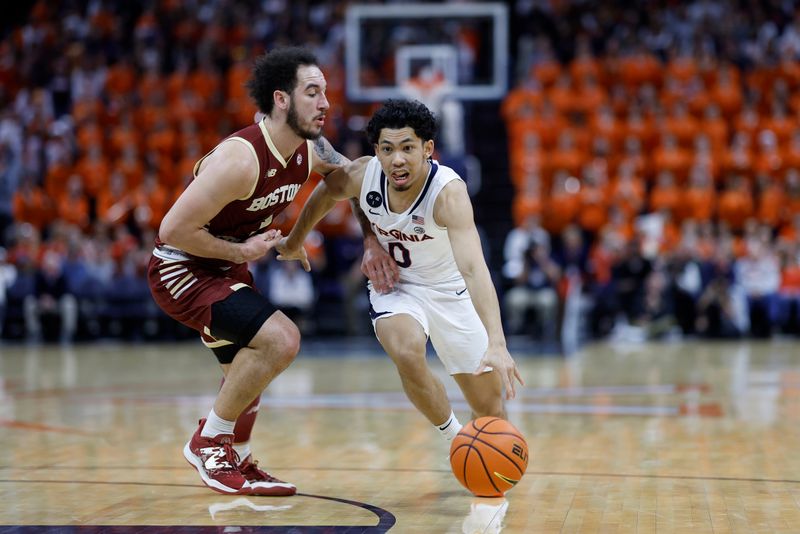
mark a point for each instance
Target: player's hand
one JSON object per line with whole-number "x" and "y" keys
{"x": 258, "y": 245}
{"x": 287, "y": 254}
{"x": 379, "y": 267}
{"x": 501, "y": 361}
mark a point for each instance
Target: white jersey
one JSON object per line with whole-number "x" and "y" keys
{"x": 420, "y": 247}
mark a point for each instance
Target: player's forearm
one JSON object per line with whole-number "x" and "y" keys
{"x": 484, "y": 299}
{"x": 363, "y": 221}
{"x": 200, "y": 243}
{"x": 318, "y": 205}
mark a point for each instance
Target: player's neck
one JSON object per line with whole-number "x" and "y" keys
{"x": 283, "y": 137}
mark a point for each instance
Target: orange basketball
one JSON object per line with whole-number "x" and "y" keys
{"x": 489, "y": 456}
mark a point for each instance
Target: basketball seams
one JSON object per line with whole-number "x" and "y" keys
{"x": 468, "y": 437}
{"x": 465, "y": 463}
{"x": 503, "y": 454}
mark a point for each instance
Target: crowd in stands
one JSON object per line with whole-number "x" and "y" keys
{"x": 655, "y": 158}
{"x": 654, "y": 151}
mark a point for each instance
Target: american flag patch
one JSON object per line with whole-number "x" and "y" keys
{"x": 417, "y": 219}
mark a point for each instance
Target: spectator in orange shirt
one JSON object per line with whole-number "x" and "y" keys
{"x": 640, "y": 127}
{"x": 130, "y": 166}
{"x": 94, "y": 170}
{"x": 528, "y": 201}
{"x": 589, "y": 95}
{"x": 671, "y": 157}
{"x": 520, "y": 101}
{"x": 594, "y": 201}
{"x": 704, "y": 156}
{"x": 735, "y": 203}
{"x": 150, "y": 202}
{"x": 585, "y": 64}
{"x": 124, "y": 135}
{"x": 779, "y": 123}
{"x": 771, "y": 201}
{"x": 700, "y": 197}
{"x": 121, "y": 77}
{"x": 681, "y": 125}
{"x": 665, "y": 196}
{"x": 715, "y": 127}
{"x": 791, "y": 152}
{"x": 73, "y": 207}
{"x": 627, "y": 192}
{"x": 567, "y": 156}
{"x": 748, "y": 121}
{"x": 547, "y": 68}
{"x": 59, "y": 170}
{"x": 634, "y": 156}
{"x": 739, "y": 157}
{"x": 31, "y": 205}
{"x": 792, "y": 181}
{"x": 562, "y": 205}
{"x": 526, "y": 157}
{"x": 114, "y": 203}
{"x": 603, "y": 123}
{"x": 768, "y": 159}
{"x": 789, "y": 290}
{"x": 726, "y": 91}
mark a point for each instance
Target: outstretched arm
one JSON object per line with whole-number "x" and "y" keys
{"x": 376, "y": 264}
{"x": 453, "y": 210}
{"x": 341, "y": 184}
{"x": 325, "y": 158}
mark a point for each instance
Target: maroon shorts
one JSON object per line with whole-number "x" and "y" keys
{"x": 186, "y": 289}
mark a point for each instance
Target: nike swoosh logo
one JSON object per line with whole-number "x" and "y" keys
{"x": 374, "y": 212}
{"x": 461, "y": 292}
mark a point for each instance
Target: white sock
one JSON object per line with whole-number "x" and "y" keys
{"x": 215, "y": 426}
{"x": 242, "y": 449}
{"x": 449, "y": 428}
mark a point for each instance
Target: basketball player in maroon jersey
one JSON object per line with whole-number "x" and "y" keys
{"x": 198, "y": 273}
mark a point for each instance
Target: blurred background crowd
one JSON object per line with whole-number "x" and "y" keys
{"x": 641, "y": 178}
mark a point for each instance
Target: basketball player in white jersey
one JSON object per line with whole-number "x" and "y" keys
{"x": 422, "y": 215}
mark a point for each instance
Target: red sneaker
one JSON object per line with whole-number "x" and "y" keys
{"x": 262, "y": 483}
{"x": 216, "y": 461}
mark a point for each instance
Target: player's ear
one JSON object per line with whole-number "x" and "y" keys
{"x": 281, "y": 99}
{"x": 427, "y": 148}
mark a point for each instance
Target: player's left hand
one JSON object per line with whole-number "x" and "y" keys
{"x": 379, "y": 267}
{"x": 501, "y": 361}
{"x": 287, "y": 254}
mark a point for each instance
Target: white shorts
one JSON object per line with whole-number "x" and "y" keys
{"x": 450, "y": 320}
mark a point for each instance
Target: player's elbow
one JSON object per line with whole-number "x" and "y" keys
{"x": 168, "y": 232}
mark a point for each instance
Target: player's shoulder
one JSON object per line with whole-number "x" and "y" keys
{"x": 358, "y": 165}
{"x": 445, "y": 173}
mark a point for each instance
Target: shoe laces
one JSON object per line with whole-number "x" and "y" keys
{"x": 250, "y": 469}
{"x": 226, "y": 456}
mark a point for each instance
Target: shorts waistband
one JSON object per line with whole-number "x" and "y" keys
{"x": 168, "y": 253}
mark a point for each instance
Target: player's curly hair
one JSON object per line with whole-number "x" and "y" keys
{"x": 398, "y": 114}
{"x": 277, "y": 70}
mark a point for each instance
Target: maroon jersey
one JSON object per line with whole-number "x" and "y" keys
{"x": 277, "y": 184}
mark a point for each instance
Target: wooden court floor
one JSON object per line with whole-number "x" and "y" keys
{"x": 680, "y": 437}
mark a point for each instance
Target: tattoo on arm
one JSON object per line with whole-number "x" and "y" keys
{"x": 327, "y": 153}
{"x": 363, "y": 221}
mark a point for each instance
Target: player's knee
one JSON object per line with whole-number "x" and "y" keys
{"x": 409, "y": 358}
{"x": 279, "y": 338}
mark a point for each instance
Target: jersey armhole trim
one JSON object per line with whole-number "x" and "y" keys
{"x": 249, "y": 145}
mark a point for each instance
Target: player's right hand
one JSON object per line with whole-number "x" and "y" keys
{"x": 257, "y": 246}
{"x": 379, "y": 267}
{"x": 287, "y": 254}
